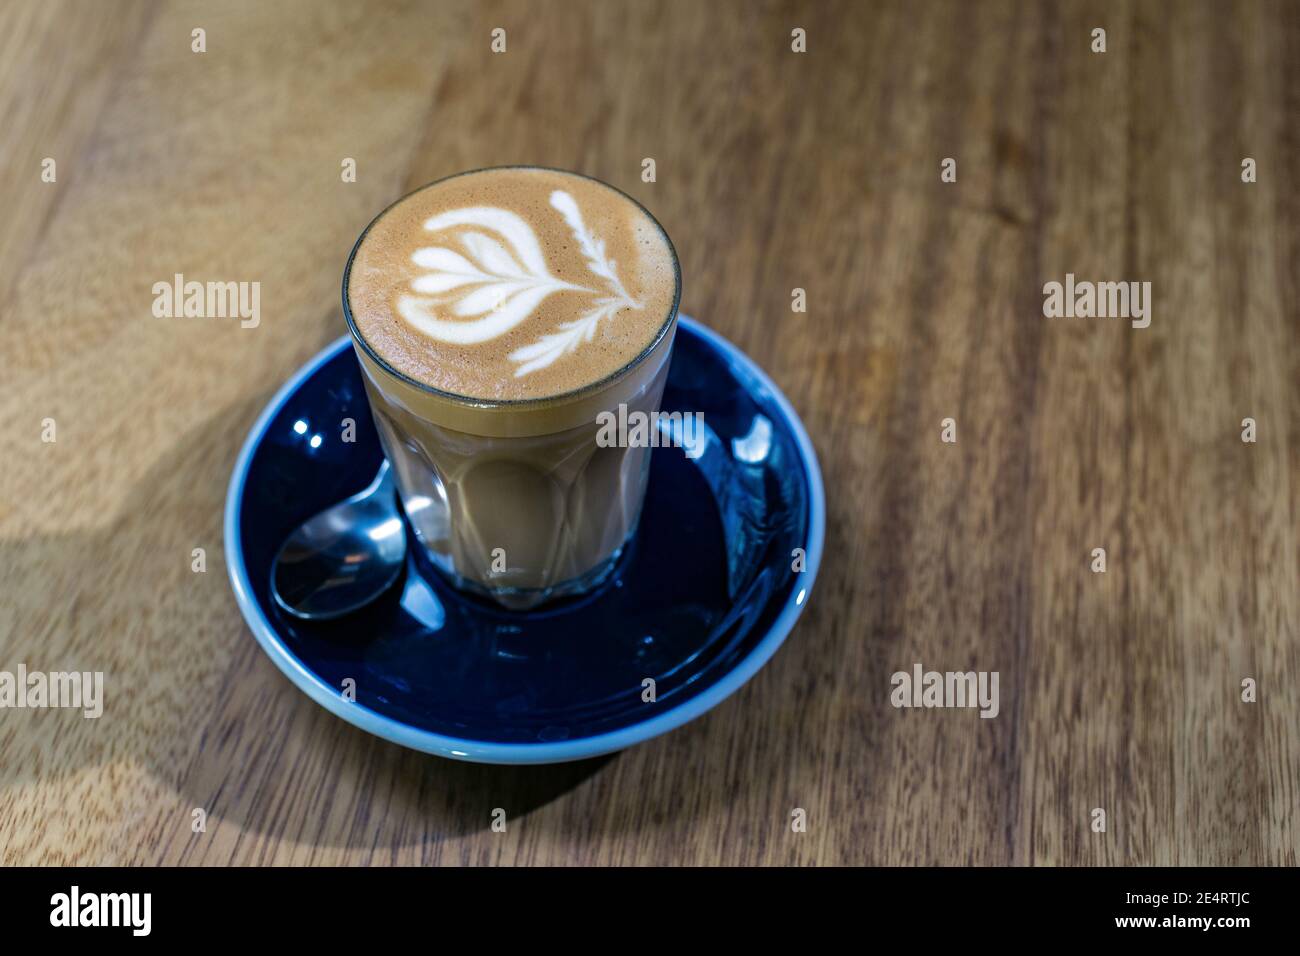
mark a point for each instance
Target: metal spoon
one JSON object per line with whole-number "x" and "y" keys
{"x": 343, "y": 558}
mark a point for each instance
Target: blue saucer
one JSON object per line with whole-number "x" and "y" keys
{"x": 703, "y": 597}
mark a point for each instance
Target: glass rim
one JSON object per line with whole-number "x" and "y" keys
{"x": 590, "y": 388}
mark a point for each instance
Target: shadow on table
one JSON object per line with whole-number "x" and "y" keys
{"x": 189, "y": 695}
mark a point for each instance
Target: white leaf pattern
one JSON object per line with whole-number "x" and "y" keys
{"x": 436, "y": 282}
{"x": 497, "y": 284}
{"x": 550, "y": 347}
{"x": 492, "y": 254}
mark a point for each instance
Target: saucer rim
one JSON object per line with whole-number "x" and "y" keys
{"x": 542, "y": 752}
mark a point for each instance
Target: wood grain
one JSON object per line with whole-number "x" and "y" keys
{"x": 775, "y": 170}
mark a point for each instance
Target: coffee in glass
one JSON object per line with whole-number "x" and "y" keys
{"x": 496, "y": 314}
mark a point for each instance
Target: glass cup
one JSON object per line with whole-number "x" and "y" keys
{"x": 516, "y": 500}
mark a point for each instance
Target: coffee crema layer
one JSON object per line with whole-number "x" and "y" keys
{"x": 512, "y": 283}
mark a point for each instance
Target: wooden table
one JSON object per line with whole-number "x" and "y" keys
{"x": 775, "y": 170}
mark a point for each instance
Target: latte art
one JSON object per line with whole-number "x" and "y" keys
{"x": 505, "y": 281}
{"x": 497, "y": 316}
{"x": 512, "y": 283}
{"x": 550, "y": 347}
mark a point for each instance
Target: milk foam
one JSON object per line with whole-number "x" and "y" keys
{"x": 523, "y": 296}
{"x": 504, "y": 283}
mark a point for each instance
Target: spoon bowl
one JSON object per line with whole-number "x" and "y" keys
{"x": 343, "y": 558}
